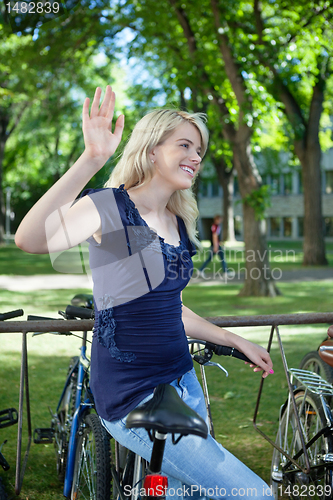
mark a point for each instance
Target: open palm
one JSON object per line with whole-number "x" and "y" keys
{"x": 100, "y": 141}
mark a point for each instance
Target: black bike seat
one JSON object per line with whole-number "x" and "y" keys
{"x": 167, "y": 413}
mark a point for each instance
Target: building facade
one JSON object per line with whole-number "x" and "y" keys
{"x": 284, "y": 217}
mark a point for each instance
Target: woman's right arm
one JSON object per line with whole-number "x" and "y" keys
{"x": 54, "y": 223}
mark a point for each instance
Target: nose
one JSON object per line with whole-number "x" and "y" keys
{"x": 196, "y": 158}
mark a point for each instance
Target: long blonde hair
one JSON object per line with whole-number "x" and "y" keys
{"x": 136, "y": 169}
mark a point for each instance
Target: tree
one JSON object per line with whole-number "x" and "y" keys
{"x": 49, "y": 138}
{"x": 297, "y": 73}
{"x": 194, "y": 42}
{"x": 31, "y": 63}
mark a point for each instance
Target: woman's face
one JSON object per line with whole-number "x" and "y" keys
{"x": 177, "y": 159}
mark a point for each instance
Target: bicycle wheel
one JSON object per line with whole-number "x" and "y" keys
{"x": 313, "y": 362}
{"x": 286, "y": 479}
{"x": 91, "y": 478}
{"x": 127, "y": 471}
{"x": 63, "y": 421}
{"x": 3, "y": 494}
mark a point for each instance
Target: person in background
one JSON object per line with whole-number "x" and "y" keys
{"x": 216, "y": 247}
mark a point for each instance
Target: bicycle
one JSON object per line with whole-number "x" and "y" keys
{"x": 9, "y": 416}
{"x": 302, "y": 462}
{"x": 92, "y": 464}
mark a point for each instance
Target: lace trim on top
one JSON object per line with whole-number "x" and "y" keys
{"x": 106, "y": 331}
{"x": 135, "y": 219}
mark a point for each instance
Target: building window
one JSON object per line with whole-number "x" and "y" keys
{"x": 300, "y": 183}
{"x": 287, "y": 227}
{"x": 236, "y": 186}
{"x": 204, "y": 189}
{"x": 275, "y": 224}
{"x": 264, "y": 179}
{"x": 288, "y": 183}
{"x": 300, "y": 226}
{"x": 215, "y": 188}
{"x": 329, "y": 181}
{"x": 275, "y": 184}
{"x": 328, "y": 226}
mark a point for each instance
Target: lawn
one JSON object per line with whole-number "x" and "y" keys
{"x": 232, "y": 399}
{"x": 283, "y": 254}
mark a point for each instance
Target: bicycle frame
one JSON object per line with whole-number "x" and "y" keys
{"x": 80, "y": 409}
{"x": 314, "y": 384}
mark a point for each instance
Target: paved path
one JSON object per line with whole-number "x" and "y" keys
{"x": 53, "y": 281}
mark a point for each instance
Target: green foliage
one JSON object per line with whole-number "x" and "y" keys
{"x": 259, "y": 199}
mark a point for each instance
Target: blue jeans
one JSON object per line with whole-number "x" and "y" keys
{"x": 195, "y": 467}
{"x": 220, "y": 254}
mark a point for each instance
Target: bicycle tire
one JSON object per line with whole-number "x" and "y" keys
{"x": 92, "y": 478}
{"x": 318, "y": 484}
{"x": 313, "y": 362}
{"x": 3, "y": 494}
{"x": 127, "y": 472}
{"x": 64, "y": 417}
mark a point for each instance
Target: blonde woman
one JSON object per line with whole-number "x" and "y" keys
{"x": 141, "y": 231}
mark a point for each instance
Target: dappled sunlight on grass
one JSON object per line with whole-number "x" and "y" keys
{"x": 223, "y": 300}
{"x": 38, "y": 302}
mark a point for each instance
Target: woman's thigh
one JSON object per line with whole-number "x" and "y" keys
{"x": 202, "y": 466}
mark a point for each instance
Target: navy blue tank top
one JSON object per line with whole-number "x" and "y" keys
{"x": 139, "y": 339}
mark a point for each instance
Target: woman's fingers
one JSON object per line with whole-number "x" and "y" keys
{"x": 107, "y": 106}
{"x": 118, "y": 130}
{"x": 85, "y": 109}
{"x": 261, "y": 361}
{"x": 95, "y": 104}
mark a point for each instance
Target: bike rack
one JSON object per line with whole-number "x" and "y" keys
{"x": 274, "y": 320}
{"x": 24, "y": 327}
{"x": 305, "y": 469}
{"x": 52, "y": 326}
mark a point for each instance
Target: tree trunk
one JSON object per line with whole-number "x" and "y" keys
{"x": 314, "y": 242}
{"x": 308, "y": 151}
{"x": 258, "y": 277}
{"x": 226, "y": 180}
{"x": 4, "y": 121}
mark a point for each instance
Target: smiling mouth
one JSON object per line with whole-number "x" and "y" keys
{"x": 188, "y": 169}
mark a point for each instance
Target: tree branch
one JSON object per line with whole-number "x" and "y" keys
{"x": 17, "y": 119}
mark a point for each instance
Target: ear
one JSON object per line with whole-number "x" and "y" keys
{"x": 152, "y": 156}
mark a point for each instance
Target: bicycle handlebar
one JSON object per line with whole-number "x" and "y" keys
{"x": 219, "y": 350}
{"x": 11, "y": 314}
{"x": 223, "y": 350}
{"x": 79, "y": 312}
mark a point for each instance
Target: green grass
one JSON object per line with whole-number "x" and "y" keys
{"x": 283, "y": 254}
{"x": 15, "y": 261}
{"x": 232, "y": 399}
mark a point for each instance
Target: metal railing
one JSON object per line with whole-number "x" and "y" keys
{"x": 274, "y": 321}
{"x": 25, "y": 327}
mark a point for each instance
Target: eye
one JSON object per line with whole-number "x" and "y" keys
{"x": 185, "y": 145}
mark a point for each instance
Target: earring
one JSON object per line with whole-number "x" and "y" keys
{"x": 153, "y": 161}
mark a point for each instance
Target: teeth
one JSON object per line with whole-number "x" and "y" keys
{"x": 187, "y": 169}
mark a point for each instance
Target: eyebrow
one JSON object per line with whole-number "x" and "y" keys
{"x": 188, "y": 140}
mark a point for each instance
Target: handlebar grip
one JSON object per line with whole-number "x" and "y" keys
{"x": 223, "y": 350}
{"x": 80, "y": 312}
{"x": 11, "y": 314}
{"x": 32, "y": 317}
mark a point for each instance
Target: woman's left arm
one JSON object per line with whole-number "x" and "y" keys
{"x": 199, "y": 328}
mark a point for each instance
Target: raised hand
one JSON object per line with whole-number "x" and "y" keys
{"x": 100, "y": 141}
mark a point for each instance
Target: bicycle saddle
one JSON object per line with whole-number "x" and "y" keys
{"x": 167, "y": 413}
